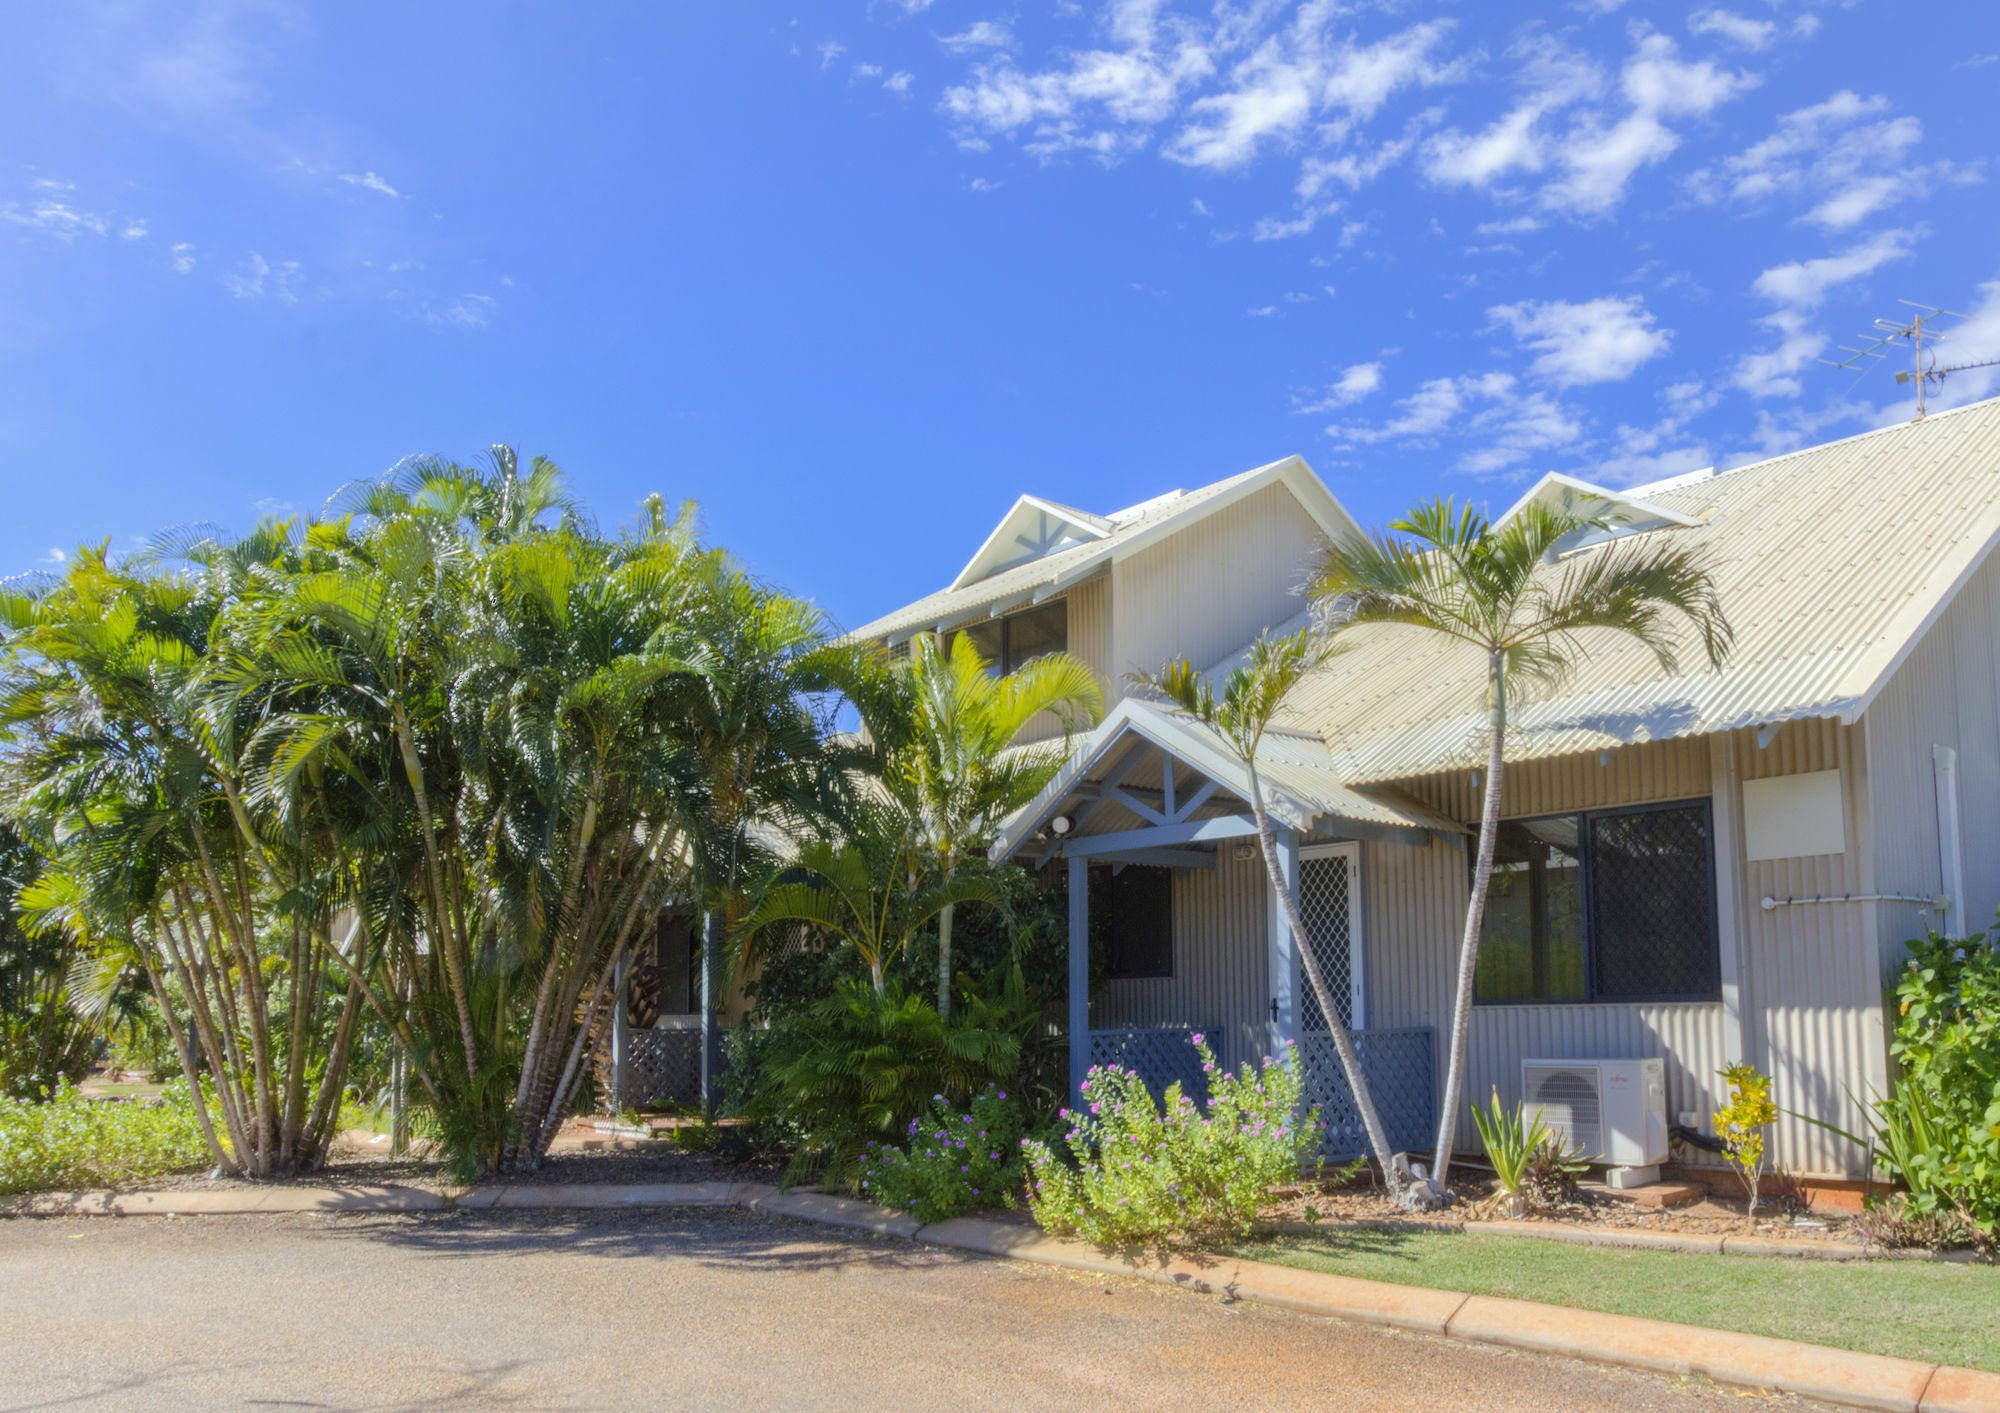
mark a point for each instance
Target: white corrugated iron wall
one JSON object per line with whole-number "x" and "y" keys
{"x": 1220, "y": 962}
{"x": 1810, "y": 974}
{"x": 1415, "y": 899}
{"x": 1206, "y": 591}
{"x": 1947, "y": 692}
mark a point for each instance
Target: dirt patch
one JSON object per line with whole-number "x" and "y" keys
{"x": 582, "y": 1153}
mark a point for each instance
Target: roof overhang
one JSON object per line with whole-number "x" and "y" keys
{"x": 1294, "y": 777}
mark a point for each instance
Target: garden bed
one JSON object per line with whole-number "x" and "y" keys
{"x": 1309, "y": 1207}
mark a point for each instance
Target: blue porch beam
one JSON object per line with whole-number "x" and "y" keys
{"x": 1230, "y": 826}
{"x": 1079, "y": 977}
{"x": 1168, "y": 858}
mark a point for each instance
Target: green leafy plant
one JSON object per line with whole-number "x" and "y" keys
{"x": 1509, "y": 1141}
{"x": 955, "y": 1161}
{"x": 1550, "y": 1178}
{"x": 1129, "y": 1169}
{"x": 1939, "y": 1129}
{"x": 860, "y": 1065}
{"x": 1740, "y": 1124}
{"x": 71, "y": 1141}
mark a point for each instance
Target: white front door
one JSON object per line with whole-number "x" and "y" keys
{"x": 1330, "y": 904}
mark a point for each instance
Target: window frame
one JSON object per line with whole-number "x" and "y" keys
{"x": 1006, "y": 663}
{"x": 1587, "y": 868}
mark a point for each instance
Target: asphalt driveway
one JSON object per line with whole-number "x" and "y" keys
{"x": 714, "y": 1308}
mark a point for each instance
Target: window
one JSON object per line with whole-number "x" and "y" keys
{"x": 1606, "y": 905}
{"x": 677, "y": 954}
{"x": 1006, "y": 643}
{"x": 1139, "y": 922}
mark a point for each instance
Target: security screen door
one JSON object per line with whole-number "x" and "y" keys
{"x": 1330, "y": 904}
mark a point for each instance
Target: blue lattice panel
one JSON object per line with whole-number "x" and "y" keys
{"x": 1158, "y": 1056}
{"x": 663, "y": 1067}
{"x": 1398, "y": 1065}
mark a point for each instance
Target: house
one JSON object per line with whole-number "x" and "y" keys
{"x": 1703, "y": 867}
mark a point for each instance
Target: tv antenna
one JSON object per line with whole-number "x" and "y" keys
{"x": 1917, "y": 332}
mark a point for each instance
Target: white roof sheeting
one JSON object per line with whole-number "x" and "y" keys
{"x": 1123, "y": 534}
{"x": 1830, "y": 563}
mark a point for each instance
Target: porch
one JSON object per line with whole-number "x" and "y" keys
{"x": 1152, "y": 816}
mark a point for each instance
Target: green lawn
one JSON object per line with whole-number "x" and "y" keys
{"x": 1945, "y": 1312}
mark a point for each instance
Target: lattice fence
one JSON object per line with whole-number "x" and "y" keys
{"x": 1159, "y": 1056}
{"x": 1399, "y": 1068}
{"x": 662, "y": 1067}
{"x": 1324, "y": 904}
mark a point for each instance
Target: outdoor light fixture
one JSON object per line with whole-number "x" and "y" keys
{"x": 1061, "y": 825}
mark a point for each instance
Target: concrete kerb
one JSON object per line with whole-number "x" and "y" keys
{"x": 1833, "y": 1375}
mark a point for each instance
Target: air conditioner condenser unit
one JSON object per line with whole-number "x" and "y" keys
{"x": 1614, "y": 1110}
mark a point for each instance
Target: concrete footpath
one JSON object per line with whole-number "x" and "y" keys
{"x": 1833, "y": 1375}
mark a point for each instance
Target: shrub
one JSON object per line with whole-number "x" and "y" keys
{"x": 75, "y": 1142}
{"x": 1940, "y": 1128}
{"x": 1740, "y": 1124}
{"x": 1136, "y": 1173}
{"x": 1534, "y": 1167}
{"x": 956, "y": 1162}
{"x": 858, "y": 1067}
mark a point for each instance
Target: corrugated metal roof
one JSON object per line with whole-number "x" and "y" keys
{"x": 1829, "y": 563}
{"x": 1069, "y": 566}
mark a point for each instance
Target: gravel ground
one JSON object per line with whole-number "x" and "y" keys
{"x": 715, "y": 1308}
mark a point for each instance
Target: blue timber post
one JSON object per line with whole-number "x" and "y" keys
{"x": 1079, "y": 976}
{"x": 1282, "y": 955}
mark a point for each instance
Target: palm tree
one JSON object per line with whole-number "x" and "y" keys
{"x": 952, "y": 770}
{"x": 1251, "y": 699}
{"x": 1506, "y": 591}
{"x": 860, "y": 891}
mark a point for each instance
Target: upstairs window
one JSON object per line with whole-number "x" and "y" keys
{"x": 1006, "y": 643}
{"x": 1603, "y": 905}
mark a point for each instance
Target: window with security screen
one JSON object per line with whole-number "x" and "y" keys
{"x": 1603, "y": 905}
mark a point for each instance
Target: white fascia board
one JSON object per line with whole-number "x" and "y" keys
{"x": 1596, "y": 492}
{"x": 1090, "y": 527}
{"x": 1306, "y": 488}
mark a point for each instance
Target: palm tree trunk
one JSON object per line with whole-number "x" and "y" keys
{"x": 1475, "y": 914}
{"x": 944, "y": 958}
{"x": 1343, "y": 1043}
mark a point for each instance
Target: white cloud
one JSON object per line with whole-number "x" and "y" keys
{"x": 899, "y": 82}
{"x": 1739, "y": 30}
{"x": 1553, "y": 78}
{"x": 1517, "y": 225}
{"x": 1262, "y": 311}
{"x": 56, "y": 219}
{"x": 1271, "y": 228}
{"x": 370, "y": 181}
{"x": 982, "y": 34}
{"x": 183, "y": 254}
{"x": 271, "y": 505}
{"x": 1200, "y": 208}
{"x": 829, "y": 51}
{"x": 134, "y": 230}
{"x": 1300, "y": 75}
{"x": 866, "y": 71}
{"x": 56, "y": 557}
{"x": 1357, "y": 381}
{"x": 1597, "y": 341}
{"x": 1832, "y": 154}
{"x": 982, "y": 184}
{"x": 259, "y": 278}
{"x": 468, "y": 311}
{"x": 1798, "y": 289}
{"x": 1601, "y": 160}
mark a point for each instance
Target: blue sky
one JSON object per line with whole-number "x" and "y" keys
{"x": 853, "y": 275}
